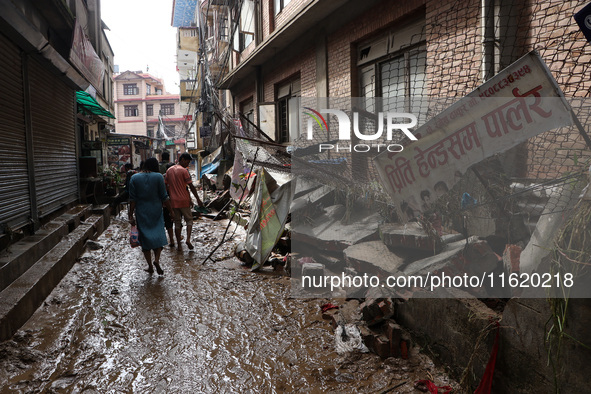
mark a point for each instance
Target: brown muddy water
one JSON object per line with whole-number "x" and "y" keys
{"x": 110, "y": 327}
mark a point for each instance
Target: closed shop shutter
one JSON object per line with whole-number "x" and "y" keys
{"x": 15, "y": 204}
{"x": 54, "y": 140}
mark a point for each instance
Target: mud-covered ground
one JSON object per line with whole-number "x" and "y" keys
{"x": 110, "y": 327}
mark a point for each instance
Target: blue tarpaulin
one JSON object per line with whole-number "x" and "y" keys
{"x": 209, "y": 168}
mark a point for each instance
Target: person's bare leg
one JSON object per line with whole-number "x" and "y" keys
{"x": 189, "y": 229}
{"x": 170, "y": 237}
{"x": 148, "y": 256}
{"x": 179, "y": 236}
{"x": 157, "y": 261}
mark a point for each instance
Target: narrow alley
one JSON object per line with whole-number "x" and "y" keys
{"x": 110, "y": 327}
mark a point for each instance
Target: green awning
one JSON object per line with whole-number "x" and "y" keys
{"x": 90, "y": 105}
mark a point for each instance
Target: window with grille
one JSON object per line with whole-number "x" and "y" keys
{"x": 150, "y": 132}
{"x": 131, "y": 110}
{"x": 148, "y": 88}
{"x": 393, "y": 68}
{"x": 149, "y": 109}
{"x": 224, "y": 27}
{"x": 130, "y": 89}
{"x": 190, "y": 32}
{"x": 167, "y": 109}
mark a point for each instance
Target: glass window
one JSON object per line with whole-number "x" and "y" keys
{"x": 131, "y": 110}
{"x": 167, "y": 109}
{"x": 288, "y": 104}
{"x": 149, "y": 109}
{"x": 148, "y": 88}
{"x": 279, "y": 5}
{"x": 130, "y": 89}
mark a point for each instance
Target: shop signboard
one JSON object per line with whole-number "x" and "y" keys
{"x": 518, "y": 103}
{"x": 119, "y": 152}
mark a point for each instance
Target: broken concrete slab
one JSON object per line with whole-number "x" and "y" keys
{"x": 305, "y": 186}
{"x": 438, "y": 262}
{"x": 410, "y": 235}
{"x": 322, "y": 195}
{"x": 327, "y": 233}
{"x": 474, "y": 257}
{"x": 375, "y": 258}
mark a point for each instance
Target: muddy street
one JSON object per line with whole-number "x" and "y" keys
{"x": 110, "y": 327}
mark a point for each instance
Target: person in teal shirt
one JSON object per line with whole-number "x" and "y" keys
{"x": 147, "y": 194}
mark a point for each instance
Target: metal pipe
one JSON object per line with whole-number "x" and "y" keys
{"x": 488, "y": 39}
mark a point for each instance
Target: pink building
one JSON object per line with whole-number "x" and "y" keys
{"x": 140, "y": 99}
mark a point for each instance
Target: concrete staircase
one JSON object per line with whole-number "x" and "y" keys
{"x": 31, "y": 268}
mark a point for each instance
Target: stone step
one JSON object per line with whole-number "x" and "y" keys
{"x": 19, "y": 257}
{"x": 24, "y": 295}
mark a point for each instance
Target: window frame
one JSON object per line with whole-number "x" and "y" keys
{"x": 392, "y": 46}
{"x": 279, "y": 5}
{"x": 164, "y": 107}
{"x": 283, "y": 112}
{"x": 130, "y": 89}
{"x": 131, "y": 111}
{"x": 149, "y": 109}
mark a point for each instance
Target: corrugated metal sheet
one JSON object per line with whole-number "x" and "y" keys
{"x": 15, "y": 203}
{"x": 54, "y": 140}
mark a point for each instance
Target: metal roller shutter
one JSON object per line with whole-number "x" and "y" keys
{"x": 54, "y": 140}
{"x": 15, "y": 204}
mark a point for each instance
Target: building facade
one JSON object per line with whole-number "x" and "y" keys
{"x": 385, "y": 52}
{"x": 45, "y": 62}
{"x": 143, "y": 107}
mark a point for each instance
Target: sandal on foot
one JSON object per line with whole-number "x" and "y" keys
{"x": 149, "y": 271}
{"x": 190, "y": 245}
{"x": 158, "y": 269}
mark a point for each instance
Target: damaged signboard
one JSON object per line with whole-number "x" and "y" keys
{"x": 269, "y": 214}
{"x": 518, "y": 103}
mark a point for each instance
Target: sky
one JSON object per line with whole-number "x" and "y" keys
{"x": 141, "y": 35}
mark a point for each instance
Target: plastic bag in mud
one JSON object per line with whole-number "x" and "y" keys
{"x": 134, "y": 237}
{"x": 349, "y": 340}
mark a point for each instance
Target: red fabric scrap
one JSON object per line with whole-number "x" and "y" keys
{"x": 486, "y": 383}
{"x": 328, "y": 306}
{"x": 427, "y": 385}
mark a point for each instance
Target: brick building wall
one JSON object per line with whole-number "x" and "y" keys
{"x": 289, "y": 12}
{"x": 454, "y": 48}
{"x": 341, "y": 45}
